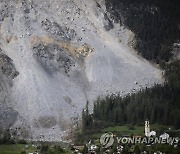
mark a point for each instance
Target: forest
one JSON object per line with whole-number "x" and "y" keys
{"x": 156, "y": 25}
{"x": 159, "y": 104}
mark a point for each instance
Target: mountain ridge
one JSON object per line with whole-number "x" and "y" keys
{"x": 66, "y": 55}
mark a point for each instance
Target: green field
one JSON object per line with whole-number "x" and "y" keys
{"x": 120, "y": 130}
{"x": 15, "y": 149}
{"x": 125, "y": 130}
{"x": 135, "y": 130}
{"x": 18, "y": 148}
{"x": 129, "y": 130}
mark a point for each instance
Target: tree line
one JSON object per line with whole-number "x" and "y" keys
{"x": 160, "y": 104}
{"x": 154, "y": 22}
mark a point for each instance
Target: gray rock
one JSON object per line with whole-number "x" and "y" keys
{"x": 7, "y": 67}
{"x": 8, "y": 116}
{"x": 53, "y": 58}
{"x": 57, "y": 31}
{"x": 58, "y": 72}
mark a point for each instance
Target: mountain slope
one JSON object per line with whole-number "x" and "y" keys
{"x": 155, "y": 24}
{"x": 66, "y": 52}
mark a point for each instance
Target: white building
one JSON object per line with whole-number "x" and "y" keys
{"x": 147, "y": 128}
{"x": 152, "y": 133}
{"x": 164, "y": 136}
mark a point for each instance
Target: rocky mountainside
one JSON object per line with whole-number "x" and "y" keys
{"x": 55, "y": 56}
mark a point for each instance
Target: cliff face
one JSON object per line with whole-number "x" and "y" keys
{"x": 7, "y": 74}
{"x": 56, "y": 55}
